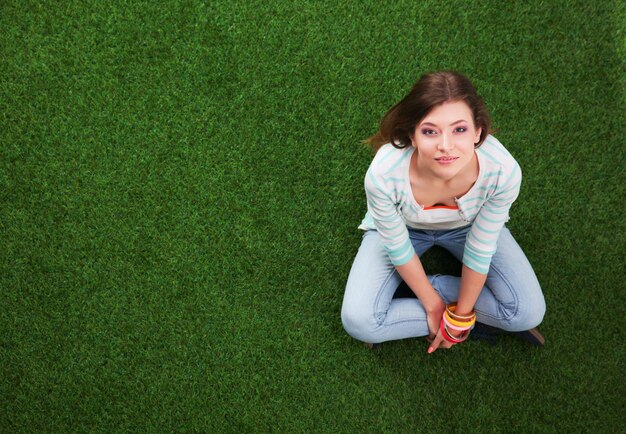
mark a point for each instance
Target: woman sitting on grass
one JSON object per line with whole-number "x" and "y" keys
{"x": 439, "y": 178}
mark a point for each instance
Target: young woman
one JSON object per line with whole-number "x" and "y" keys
{"x": 439, "y": 178}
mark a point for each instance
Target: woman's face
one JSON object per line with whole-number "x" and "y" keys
{"x": 445, "y": 139}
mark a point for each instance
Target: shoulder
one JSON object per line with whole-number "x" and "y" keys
{"x": 493, "y": 148}
{"x": 503, "y": 174}
{"x": 388, "y": 169}
{"x": 498, "y": 157}
{"x": 389, "y": 159}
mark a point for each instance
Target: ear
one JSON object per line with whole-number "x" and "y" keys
{"x": 412, "y": 138}
{"x": 477, "y": 137}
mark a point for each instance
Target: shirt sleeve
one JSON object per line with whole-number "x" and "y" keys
{"x": 482, "y": 238}
{"x": 388, "y": 221}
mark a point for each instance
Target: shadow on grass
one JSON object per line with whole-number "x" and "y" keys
{"x": 436, "y": 260}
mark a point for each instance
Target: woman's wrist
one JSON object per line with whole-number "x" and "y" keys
{"x": 465, "y": 312}
{"x": 433, "y": 303}
{"x": 454, "y": 327}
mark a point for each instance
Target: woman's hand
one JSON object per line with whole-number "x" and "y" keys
{"x": 439, "y": 342}
{"x": 434, "y": 313}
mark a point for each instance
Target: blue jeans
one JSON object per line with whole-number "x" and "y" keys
{"x": 510, "y": 300}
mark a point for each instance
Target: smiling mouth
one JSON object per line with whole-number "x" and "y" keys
{"x": 446, "y": 159}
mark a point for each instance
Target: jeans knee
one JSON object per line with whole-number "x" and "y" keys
{"x": 528, "y": 318}
{"x": 359, "y": 325}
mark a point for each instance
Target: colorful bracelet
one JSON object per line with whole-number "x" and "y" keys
{"x": 452, "y": 307}
{"x": 455, "y": 327}
{"x": 466, "y": 324}
{"x": 462, "y": 337}
{"x": 448, "y": 336}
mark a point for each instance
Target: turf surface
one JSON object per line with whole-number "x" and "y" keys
{"x": 180, "y": 185}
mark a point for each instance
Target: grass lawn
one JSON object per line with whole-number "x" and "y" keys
{"x": 180, "y": 188}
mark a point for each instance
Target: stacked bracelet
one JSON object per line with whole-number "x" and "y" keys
{"x": 458, "y": 323}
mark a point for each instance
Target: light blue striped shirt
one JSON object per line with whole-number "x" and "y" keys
{"x": 391, "y": 206}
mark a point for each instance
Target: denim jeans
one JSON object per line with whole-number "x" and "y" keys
{"x": 511, "y": 299}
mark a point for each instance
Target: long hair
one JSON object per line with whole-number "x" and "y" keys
{"x": 398, "y": 125}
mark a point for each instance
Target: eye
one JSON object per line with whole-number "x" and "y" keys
{"x": 460, "y": 129}
{"x": 428, "y": 132}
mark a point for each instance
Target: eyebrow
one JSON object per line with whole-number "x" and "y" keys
{"x": 453, "y": 123}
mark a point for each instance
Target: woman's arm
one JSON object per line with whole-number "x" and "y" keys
{"x": 414, "y": 276}
{"x": 472, "y": 282}
{"x": 481, "y": 245}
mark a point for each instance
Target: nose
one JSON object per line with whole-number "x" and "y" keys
{"x": 445, "y": 144}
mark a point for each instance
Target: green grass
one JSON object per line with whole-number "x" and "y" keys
{"x": 180, "y": 186}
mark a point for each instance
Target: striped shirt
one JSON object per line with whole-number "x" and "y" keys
{"x": 392, "y": 208}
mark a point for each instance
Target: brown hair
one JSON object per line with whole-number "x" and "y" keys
{"x": 431, "y": 90}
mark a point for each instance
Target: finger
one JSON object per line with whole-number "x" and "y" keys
{"x": 435, "y": 344}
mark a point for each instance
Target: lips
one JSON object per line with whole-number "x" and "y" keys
{"x": 446, "y": 160}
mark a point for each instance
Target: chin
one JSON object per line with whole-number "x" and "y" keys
{"x": 447, "y": 173}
